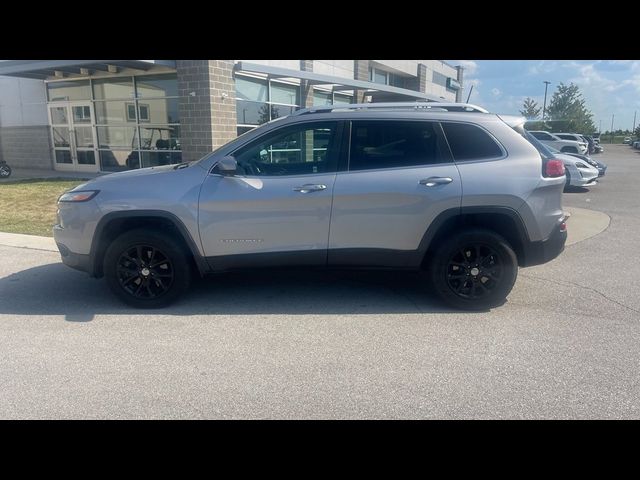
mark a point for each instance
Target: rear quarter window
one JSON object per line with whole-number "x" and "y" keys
{"x": 470, "y": 142}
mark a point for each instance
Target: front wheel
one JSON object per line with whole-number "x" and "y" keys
{"x": 147, "y": 268}
{"x": 474, "y": 270}
{"x": 5, "y": 171}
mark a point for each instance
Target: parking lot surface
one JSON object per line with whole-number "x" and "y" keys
{"x": 336, "y": 344}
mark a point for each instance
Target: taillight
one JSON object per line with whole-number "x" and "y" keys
{"x": 554, "y": 168}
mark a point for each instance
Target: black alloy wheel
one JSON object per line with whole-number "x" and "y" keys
{"x": 144, "y": 271}
{"x": 147, "y": 268}
{"x": 473, "y": 269}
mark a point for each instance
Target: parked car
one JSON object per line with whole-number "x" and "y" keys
{"x": 627, "y": 141}
{"x": 564, "y": 145}
{"x": 576, "y": 137}
{"x": 578, "y": 173}
{"x": 396, "y": 186}
{"x": 601, "y": 167}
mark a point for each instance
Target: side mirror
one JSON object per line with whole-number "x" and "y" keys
{"x": 226, "y": 167}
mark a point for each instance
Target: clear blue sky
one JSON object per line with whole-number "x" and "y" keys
{"x": 608, "y": 86}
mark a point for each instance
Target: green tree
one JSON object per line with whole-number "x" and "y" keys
{"x": 530, "y": 109}
{"x": 637, "y": 131}
{"x": 568, "y": 106}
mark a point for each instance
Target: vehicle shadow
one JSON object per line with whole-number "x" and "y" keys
{"x": 54, "y": 289}
{"x": 576, "y": 190}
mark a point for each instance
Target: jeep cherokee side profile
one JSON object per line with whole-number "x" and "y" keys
{"x": 449, "y": 189}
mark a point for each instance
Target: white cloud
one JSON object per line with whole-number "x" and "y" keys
{"x": 495, "y": 92}
{"x": 470, "y": 66}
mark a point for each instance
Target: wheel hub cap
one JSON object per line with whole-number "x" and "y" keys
{"x": 475, "y": 271}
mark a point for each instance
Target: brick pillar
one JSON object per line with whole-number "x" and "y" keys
{"x": 306, "y": 89}
{"x": 460, "y": 70}
{"x": 360, "y": 72}
{"x": 207, "y": 117}
{"x": 422, "y": 78}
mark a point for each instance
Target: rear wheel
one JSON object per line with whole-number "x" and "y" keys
{"x": 474, "y": 270}
{"x": 147, "y": 268}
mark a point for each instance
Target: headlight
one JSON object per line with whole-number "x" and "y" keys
{"x": 78, "y": 196}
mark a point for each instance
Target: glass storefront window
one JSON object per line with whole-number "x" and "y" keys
{"x": 251, "y": 89}
{"x": 252, "y": 113}
{"x": 62, "y": 91}
{"x": 118, "y": 160}
{"x": 160, "y": 137}
{"x": 59, "y": 115}
{"x": 162, "y": 110}
{"x": 341, "y": 99}
{"x": 150, "y": 86}
{"x": 110, "y": 137}
{"x": 113, "y": 112}
{"x": 112, "y": 88}
{"x": 283, "y": 93}
{"x": 321, "y": 98}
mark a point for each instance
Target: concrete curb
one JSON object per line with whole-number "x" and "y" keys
{"x": 582, "y": 224}
{"x": 32, "y": 242}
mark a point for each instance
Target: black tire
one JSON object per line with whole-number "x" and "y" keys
{"x": 5, "y": 171}
{"x": 490, "y": 280}
{"x": 567, "y": 184}
{"x": 156, "y": 282}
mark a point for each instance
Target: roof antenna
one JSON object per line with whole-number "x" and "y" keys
{"x": 470, "y": 90}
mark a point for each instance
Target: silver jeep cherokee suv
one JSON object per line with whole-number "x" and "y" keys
{"x": 448, "y": 189}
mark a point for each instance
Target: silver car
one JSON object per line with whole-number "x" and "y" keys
{"x": 445, "y": 188}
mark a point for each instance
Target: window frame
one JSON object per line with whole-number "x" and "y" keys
{"x": 336, "y": 151}
{"x": 443, "y": 146}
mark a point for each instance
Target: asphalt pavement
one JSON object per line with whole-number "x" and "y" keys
{"x": 336, "y": 344}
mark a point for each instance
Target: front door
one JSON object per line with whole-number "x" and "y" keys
{"x": 277, "y": 208}
{"x": 73, "y": 136}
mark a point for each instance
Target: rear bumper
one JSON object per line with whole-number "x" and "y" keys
{"x": 537, "y": 253}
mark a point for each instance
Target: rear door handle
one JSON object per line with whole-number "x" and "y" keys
{"x": 433, "y": 181}
{"x": 309, "y": 187}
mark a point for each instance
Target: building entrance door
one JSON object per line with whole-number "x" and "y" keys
{"x": 73, "y": 136}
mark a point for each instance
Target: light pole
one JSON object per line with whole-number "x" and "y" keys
{"x": 634, "y": 123}
{"x": 612, "y": 116}
{"x": 544, "y": 105}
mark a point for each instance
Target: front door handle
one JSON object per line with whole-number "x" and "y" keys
{"x": 433, "y": 181}
{"x": 309, "y": 187}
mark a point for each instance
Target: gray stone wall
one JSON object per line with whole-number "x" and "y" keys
{"x": 306, "y": 89}
{"x": 207, "y": 106}
{"x": 361, "y": 72}
{"x": 26, "y": 147}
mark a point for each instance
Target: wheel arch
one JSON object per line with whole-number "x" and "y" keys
{"x": 114, "y": 224}
{"x": 504, "y": 221}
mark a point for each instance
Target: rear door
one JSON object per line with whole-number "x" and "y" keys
{"x": 399, "y": 177}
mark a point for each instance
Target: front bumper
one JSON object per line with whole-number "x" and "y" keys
{"x": 74, "y": 260}
{"x": 537, "y": 253}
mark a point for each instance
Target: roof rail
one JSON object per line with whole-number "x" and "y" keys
{"x": 435, "y": 106}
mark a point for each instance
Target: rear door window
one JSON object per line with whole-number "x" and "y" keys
{"x": 470, "y": 142}
{"x": 383, "y": 144}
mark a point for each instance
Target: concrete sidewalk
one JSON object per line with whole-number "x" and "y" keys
{"x": 582, "y": 224}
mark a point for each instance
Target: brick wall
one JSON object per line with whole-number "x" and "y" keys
{"x": 26, "y": 147}
{"x": 361, "y": 72}
{"x": 306, "y": 89}
{"x": 207, "y": 106}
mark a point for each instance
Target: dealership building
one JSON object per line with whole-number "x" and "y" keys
{"x": 112, "y": 115}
